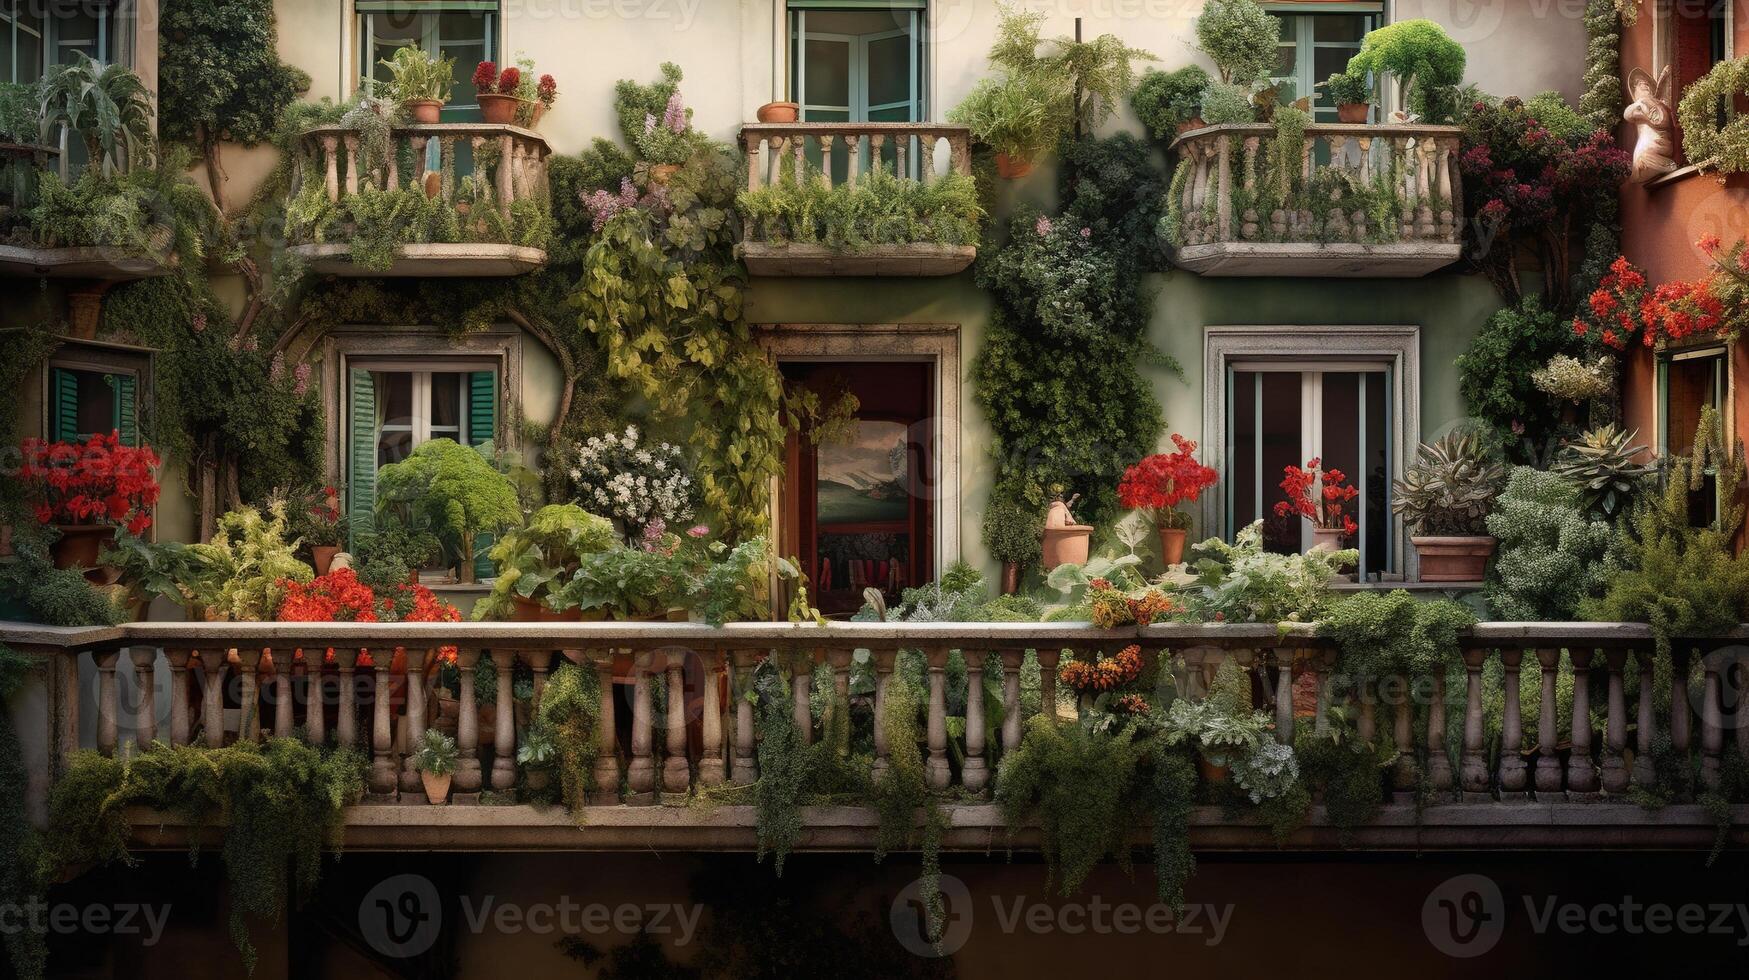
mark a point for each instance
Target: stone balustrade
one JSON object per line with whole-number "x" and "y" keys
{"x": 1359, "y": 200}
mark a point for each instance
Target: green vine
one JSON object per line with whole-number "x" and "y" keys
{"x": 568, "y": 708}
{"x": 1710, "y": 145}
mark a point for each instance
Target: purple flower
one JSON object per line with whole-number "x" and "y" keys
{"x": 674, "y": 116}
{"x": 649, "y": 122}
{"x": 277, "y": 368}
{"x": 301, "y": 378}
{"x": 199, "y": 322}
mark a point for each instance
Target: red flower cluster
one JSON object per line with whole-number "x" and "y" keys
{"x": 99, "y": 481}
{"x": 547, "y": 91}
{"x": 339, "y": 597}
{"x": 1614, "y": 306}
{"x": 1106, "y": 673}
{"x": 1164, "y": 480}
{"x": 1318, "y": 495}
{"x": 1152, "y": 607}
{"x": 1623, "y": 306}
{"x": 486, "y": 76}
{"x": 1130, "y": 704}
{"x": 509, "y": 80}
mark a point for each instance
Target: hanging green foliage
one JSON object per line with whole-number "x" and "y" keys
{"x": 568, "y": 708}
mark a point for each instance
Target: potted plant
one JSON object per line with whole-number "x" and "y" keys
{"x": 1158, "y": 484}
{"x": 1352, "y": 96}
{"x": 317, "y": 520}
{"x": 778, "y": 112}
{"x": 667, "y": 142}
{"x": 85, "y": 490}
{"x": 1170, "y": 102}
{"x": 151, "y": 569}
{"x": 537, "y": 755}
{"x": 457, "y": 490}
{"x": 1012, "y": 533}
{"x": 435, "y": 761}
{"x": 1234, "y": 742}
{"x": 1018, "y": 115}
{"x": 496, "y": 92}
{"x": 635, "y": 584}
{"x": 1419, "y": 54}
{"x": 1319, "y": 495}
{"x": 248, "y": 565}
{"x": 538, "y": 558}
{"x": 637, "y": 485}
{"x": 1065, "y": 542}
{"x": 1444, "y": 498}
{"x": 420, "y": 82}
{"x": 1241, "y": 38}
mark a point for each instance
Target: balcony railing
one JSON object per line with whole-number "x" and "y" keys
{"x": 1572, "y": 783}
{"x": 21, "y": 165}
{"x": 1363, "y": 200}
{"x": 851, "y": 149}
{"x": 509, "y": 166}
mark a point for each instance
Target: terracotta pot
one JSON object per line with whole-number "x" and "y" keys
{"x": 1010, "y": 577}
{"x": 660, "y": 173}
{"x": 425, "y": 110}
{"x": 1327, "y": 539}
{"x": 1212, "y": 774}
{"x": 539, "y": 110}
{"x": 433, "y": 185}
{"x": 322, "y": 557}
{"x": 1454, "y": 559}
{"x": 778, "y": 112}
{"x": 1194, "y": 122}
{"x": 78, "y": 547}
{"x": 495, "y": 108}
{"x": 1067, "y": 545}
{"x": 1352, "y": 112}
{"x": 1012, "y": 167}
{"x": 436, "y": 787}
{"x": 1172, "y": 545}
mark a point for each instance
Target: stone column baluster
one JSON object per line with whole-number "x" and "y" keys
{"x": 1548, "y": 776}
{"x": 1712, "y": 729}
{"x": 1581, "y": 772}
{"x": 418, "y": 142}
{"x": 1680, "y": 706}
{"x": 467, "y": 725}
{"x": 711, "y": 768}
{"x": 178, "y": 660}
{"x": 825, "y": 141}
{"x": 331, "y": 159}
{"x": 382, "y": 736}
{"x": 538, "y": 662}
{"x": 974, "y": 771}
{"x": 802, "y": 694}
{"x": 392, "y": 166}
{"x": 315, "y": 701}
{"x": 883, "y": 665}
{"x": 504, "y": 745}
{"x": 1615, "y": 735}
{"x": 283, "y": 658}
{"x": 1644, "y": 774}
{"x": 1439, "y": 772}
{"x": 1365, "y": 723}
{"x": 1284, "y": 693}
{"x": 145, "y": 681}
{"x": 416, "y": 724}
{"x": 1047, "y": 681}
{"x": 606, "y": 749}
{"x": 838, "y": 658}
{"x": 346, "y": 712}
{"x": 743, "y": 769}
{"x": 446, "y": 163}
{"x": 212, "y": 697}
{"x": 752, "y": 146}
{"x": 1224, "y": 189}
{"x": 676, "y": 771}
{"x": 1011, "y": 661}
{"x": 506, "y": 166}
{"x": 108, "y": 700}
{"x": 1513, "y": 776}
{"x": 1473, "y": 770}
{"x": 351, "y": 144}
{"x": 937, "y": 771}
{"x": 901, "y": 145}
{"x": 249, "y": 701}
{"x": 1405, "y": 772}
{"x": 641, "y": 772}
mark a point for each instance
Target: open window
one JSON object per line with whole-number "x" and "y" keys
{"x": 94, "y": 387}
{"x": 1690, "y": 38}
{"x": 1317, "y": 39}
{"x": 466, "y": 30}
{"x": 857, "y": 61}
{"x": 1283, "y": 413}
{"x": 37, "y": 34}
{"x": 1690, "y": 381}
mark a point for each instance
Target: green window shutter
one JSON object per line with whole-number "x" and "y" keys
{"x": 482, "y": 425}
{"x": 127, "y": 416}
{"x": 63, "y": 405}
{"x": 361, "y": 481}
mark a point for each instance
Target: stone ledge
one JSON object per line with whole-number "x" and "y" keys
{"x": 763, "y": 259}
{"x": 437, "y": 260}
{"x": 1398, "y": 260}
{"x": 86, "y": 262}
{"x": 980, "y": 827}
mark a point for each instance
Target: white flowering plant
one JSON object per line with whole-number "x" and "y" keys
{"x": 640, "y": 487}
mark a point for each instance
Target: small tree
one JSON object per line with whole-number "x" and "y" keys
{"x": 1241, "y": 38}
{"x": 456, "y": 489}
{"x": 1423, "y": 58}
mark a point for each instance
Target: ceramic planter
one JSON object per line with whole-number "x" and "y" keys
{"x": 78, "y": 547}
{"x": 1454, "y": 559}
{"x": 495, "y": 108}
{"x": 1067, "y": 545}
{"x": 425, "y": 111}
{"x": 534, "y": 611}
{"x": 436, "y": 787}
{"x": 322, "y": 557}
{"x": 778, "y": 112}
{"x": 1327, "y": 539}
{"x": 1012, "y": 167}
{"x": 1172, "y": 545}
{"x": 537, "y": 777}
{"x": 1352, "y": 112}
{"x": 1212, "y": 774}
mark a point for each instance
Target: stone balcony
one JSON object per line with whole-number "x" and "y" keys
{"x": 1545, "y": 787}
{"x": 19, "y": 162}
{"x": 509, "y": 166}
{"x": 1373, "y": 201}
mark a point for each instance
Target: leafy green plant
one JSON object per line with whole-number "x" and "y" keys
{"x": 1164, "y": 100}
{"x": 1080, "y": 788}
{"x": 1243, "y": 583}
{"x": 625, "y": 583}
{"x": 538, "y": 750}
{"x": 1450, "y": 487}
{"x": 1603, "y": 464}
{"x": 1419, "y": 54}
{"x": 415, "y": 76}
{"x": 249, "y": 560}
{"x": 1601, "y": 103}
{"x": 1565, "y": 376}
{"x": 877, "y": 209}
{"x": 1018, "y": 115}
{"x": 734, "y": 583}
{"x": 1552, "y": 553}
{"x": 1495, "y": 375}
{"x": 456, "y": 489}
{"x": 155, "y": 568}
{"x": 106, "y": 107}
{"x": 435, "y": 754}
{"x": 1393, "y": 634}
{"x": 1224, "y": 103}
{"x": 534, "y": 560}
{"x": 1347, "y": 89}
{"x": 1225, "y": 729}
{"x": 568, "y": 710}
{"x": 1013, "y": 532}
{"x": 1713, "y": 137}
{"x": 1241, "y": 38}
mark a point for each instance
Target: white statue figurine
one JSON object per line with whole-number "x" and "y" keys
{"x": 1654, "y": 124}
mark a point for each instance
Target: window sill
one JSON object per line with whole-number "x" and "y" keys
{"x": 1676, "y": 176}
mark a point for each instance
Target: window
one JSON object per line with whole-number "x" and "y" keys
{"x": 35, "y": 34}
{"x": 466, "y": 30}
{"x": 1315, "y": 46}
{"x": 1690, "y": 38}
{"x": 1281, "y": 414}
{"x": 1689, "y": 381}
{"x": 85, "y": 401}
{"x": 393, "y": 407}
{"x": 857, "y": 62}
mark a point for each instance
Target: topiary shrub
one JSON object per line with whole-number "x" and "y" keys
{"x": 1423, "y": 58}
{"x": 1241, "y": 38}
{"x": 1163, "y": 100}
{"x": 1496, "y": 375}
{"x": 1551, "y": 554}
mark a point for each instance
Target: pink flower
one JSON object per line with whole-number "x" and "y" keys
{"x": 1042, "y": 226}
{"x": 301, "y": 378}
{"x": 674, "y": 114}
{"x": 1086, "y": 233}
{"x": 697, "y": 531}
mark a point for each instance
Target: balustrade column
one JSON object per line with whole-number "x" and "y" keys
{"x": 382, "y": 737}
{"x": 676, "y": 771}
{"x": 802, "y": 694}
{"x": 839, "y": 660}
{"x": 504, "y": 745}
{"x": 467, "y": 725}
{"x": 1473, "y": 771}
{"x": 1712, "y": 729}
{"x": 282, "y": 692}
{"x": 410, "y": 781}
{"x": 883, "y": 665}
{"x": 351, "y": 144}
{"x": 315, "y": 704}
{"x": 331, "y": 165}
{"x": 506, "y": 166}
{"x": 178, "y": 661}
{"x": 145, "y": 682}
{"x": 607, "y": 730}
{"x": 1680, "y": 707}
{"x": 212, "y": 697}
{"x": 1405, "y": 772}
{"x": 538, "y": 661}
{"x": 1581, "y": 773}
{"x": 1513, "y": 776}
{"x": 1047, "y": 681}
{"x": 346, "y": 713}
{"x": 641, "y": 771}
{"x": 249, "y": 701}
{"x": 1615, "y": 736}
{"x": 1548, "y": 776}
{"x": 974, "y": 771}
{"x": 743, "y": 770}
{"x": 936, "y": 767}
{"x": 1645, "y": 775}
{"x": 1284, "y": 694}
{"x": 711, "y": 770}
{"x": 1439, "y": 772}
{"x": 108, "y": 700}
{"x": 1011, "y": 661}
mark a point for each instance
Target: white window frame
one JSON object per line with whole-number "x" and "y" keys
{"x": 1305, "y": 47}
{"x": 421, "y": 372}
{"x": 428, "y": 40}
{"x": 857, "y": 65}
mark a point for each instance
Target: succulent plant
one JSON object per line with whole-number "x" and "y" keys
{"x": 1601, "y": 463}
{"x": 1450, "y": 487}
